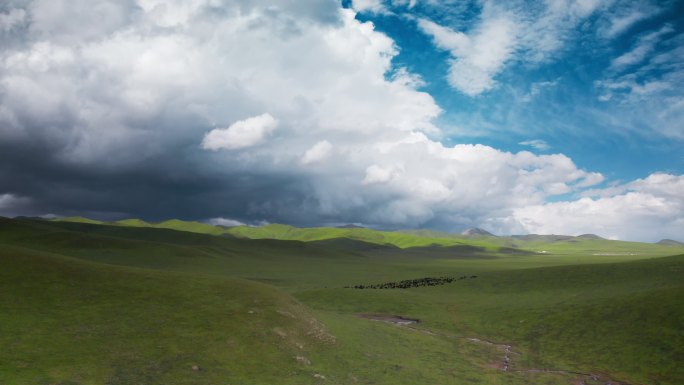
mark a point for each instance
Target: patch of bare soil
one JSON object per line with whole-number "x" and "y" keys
{"x": 393, "y": 319}
{"x": 505, "y": 364}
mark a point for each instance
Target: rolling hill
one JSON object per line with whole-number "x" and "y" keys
{"x": 115, "y": 304}
{"x": 562, "y": 244}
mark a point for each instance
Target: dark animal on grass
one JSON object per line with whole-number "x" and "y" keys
{"x": 410, "y": 283}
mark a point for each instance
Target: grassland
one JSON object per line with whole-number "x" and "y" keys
{"x": 138, "y": 303}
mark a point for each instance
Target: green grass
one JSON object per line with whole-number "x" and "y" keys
{"x": 399, "y": 239}
{"x": 133, "y": 223}
{"x": 115, "y": 304}
{"x": 68, "y": 321}
{"x": 624, "y": 319}
{"x": 582, "y": 245}
{"x": 79, "y": 220}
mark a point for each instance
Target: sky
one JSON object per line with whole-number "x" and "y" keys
{"x": 549, "y": 117}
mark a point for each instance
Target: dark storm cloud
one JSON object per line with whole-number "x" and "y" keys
{"x": 173, "y": 183}
{"x": 251, "y": 111}
{"x": 83, "y": 132}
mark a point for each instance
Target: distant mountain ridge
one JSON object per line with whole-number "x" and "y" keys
{"x": 589, "y": 236}
{"x": 350, "y": 226}
{"x": 541, "y": 237}
{"x": 419, "y": 238}
{"x": 669, "y": 242}
{"x": 476, "y": 231}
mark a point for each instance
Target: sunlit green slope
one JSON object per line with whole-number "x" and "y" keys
{"x": 162, "y": 301}
{"x": 582, "y": 245}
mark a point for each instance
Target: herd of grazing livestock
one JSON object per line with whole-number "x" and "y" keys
{"x": 411, "y": 283}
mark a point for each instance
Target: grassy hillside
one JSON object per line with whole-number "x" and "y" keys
{"x": 263, "y": 311}
{"x": 79, "y": 220}
{"x": 399, "y": 239}
{"x": 69, "y": 321}
{"x": 585, "y": 245}
{"x": 132, "y": 223}
{"x": 624, "y": 319}
{"x": 582, "y": 245}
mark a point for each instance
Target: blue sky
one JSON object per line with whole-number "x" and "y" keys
{"x": 556, "y": 116}
{"x": 559, "y": 103}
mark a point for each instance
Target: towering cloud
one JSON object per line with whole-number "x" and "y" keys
{"x": 290, "y": 112}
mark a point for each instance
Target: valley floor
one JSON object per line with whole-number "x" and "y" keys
{"x": 94, "y": 304}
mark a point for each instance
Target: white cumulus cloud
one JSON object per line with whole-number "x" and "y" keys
{"x": 227, "y": 222}
{"x": 379, "y": 174}
{"x": 374, "y": 6}
{"x": 317, "y": 153}
{"x": 241, "y": 134}
{"x": 647, "y": 209}
{"x": 129, "y": 98}
{"x": 538, "y": 144}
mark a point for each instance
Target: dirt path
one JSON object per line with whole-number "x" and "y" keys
{"x": 506, "y": 362}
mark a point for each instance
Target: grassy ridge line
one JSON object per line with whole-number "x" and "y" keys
{"x": 286, "y": 232}
{"x": 398, "y": 239}
{"x": 425, "y": 238}
{"x": 412, "y": 238}
{"x": 79, "y": 220}
{"x": 287, "y": 264}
